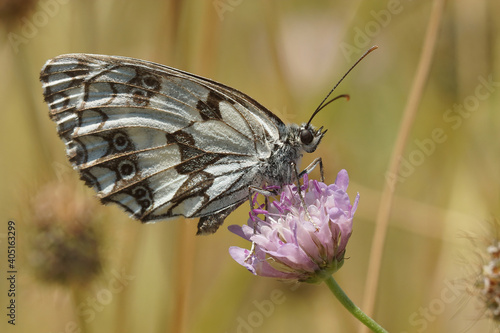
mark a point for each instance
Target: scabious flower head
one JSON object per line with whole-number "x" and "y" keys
{"x": 294, "y": 245}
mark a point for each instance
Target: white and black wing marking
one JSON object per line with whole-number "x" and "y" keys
{"x": 161, "y": 142}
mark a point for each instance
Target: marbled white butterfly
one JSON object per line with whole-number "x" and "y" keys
{"x": 161, "y": 142}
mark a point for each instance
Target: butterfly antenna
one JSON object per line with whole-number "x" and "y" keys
{"x": 324, "y": 102}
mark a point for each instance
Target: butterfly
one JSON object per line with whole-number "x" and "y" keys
{"x": 161, "y": 142}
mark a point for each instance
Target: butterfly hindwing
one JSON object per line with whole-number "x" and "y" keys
{"x": 157, "y": 141}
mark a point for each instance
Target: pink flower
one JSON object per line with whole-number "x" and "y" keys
{"x": 289, "y": 244}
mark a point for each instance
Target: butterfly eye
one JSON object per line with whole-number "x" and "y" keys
{"x": 306, "y": 136}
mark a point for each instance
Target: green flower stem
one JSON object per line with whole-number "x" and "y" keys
{"x": 351, "y": 307}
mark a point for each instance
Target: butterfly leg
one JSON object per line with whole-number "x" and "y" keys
{"x": 311, "y": 167}
{"x": 266, "y": 193}
{"x": 298, "y": 176}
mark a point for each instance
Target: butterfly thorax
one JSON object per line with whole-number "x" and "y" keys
{"x": 279, "y": 168}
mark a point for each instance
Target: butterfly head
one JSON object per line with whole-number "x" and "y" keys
{"x": 309, "y": 137}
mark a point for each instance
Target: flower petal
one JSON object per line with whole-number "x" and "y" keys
{"x": 240, "y": 255}
{"x": 342, "y": 179}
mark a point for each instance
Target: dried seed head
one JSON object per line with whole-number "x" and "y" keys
{"x": 65, "y": 246}
{"x": 13, "y": 11}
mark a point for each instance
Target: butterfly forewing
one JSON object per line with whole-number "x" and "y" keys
{"x": 155, "y": 140}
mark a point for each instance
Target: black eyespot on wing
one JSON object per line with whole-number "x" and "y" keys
{"x": 120, "y": 141}
{"x": 126, "y": 169}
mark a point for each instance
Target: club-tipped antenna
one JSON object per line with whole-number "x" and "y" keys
{"x": 324, "y": 102}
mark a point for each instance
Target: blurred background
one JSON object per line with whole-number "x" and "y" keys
{"x": 83, "y": 267}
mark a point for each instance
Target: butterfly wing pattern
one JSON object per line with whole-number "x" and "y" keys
{"x": 161, "y": 142}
